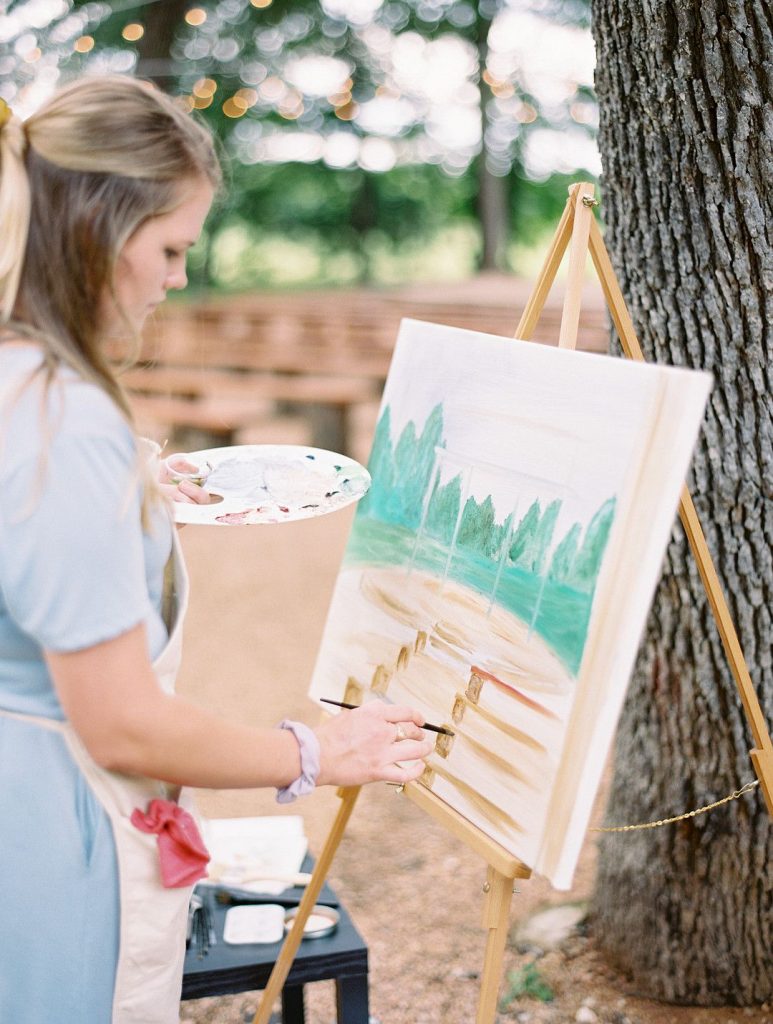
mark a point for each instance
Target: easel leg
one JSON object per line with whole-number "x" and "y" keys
{"x": 496, "y": 918}
{"x": 546, "y": 276}
{"x": 763, "y": 766}
{"x": 292, "y": 942}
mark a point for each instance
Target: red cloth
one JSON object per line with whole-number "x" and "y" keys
{"x": 181, "y": 851}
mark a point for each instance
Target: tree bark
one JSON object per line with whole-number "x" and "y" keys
{"x": 686, "y": 138}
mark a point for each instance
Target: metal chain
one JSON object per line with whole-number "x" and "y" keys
{"x": 681, "y": 817}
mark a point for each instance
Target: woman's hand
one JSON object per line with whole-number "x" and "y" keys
{"x": 365, "y": 745}
{"x": 180, "y": 488}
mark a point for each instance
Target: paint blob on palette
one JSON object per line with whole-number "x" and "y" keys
{"x": 256, "y": 484}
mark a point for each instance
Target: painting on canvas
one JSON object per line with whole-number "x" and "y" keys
{"x": 482, "y": 578}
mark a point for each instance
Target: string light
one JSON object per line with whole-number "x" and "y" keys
{"x": 245, "y": 98}
{"x": 196, "y": 16}
{"x": 132, "y": 32}
{"x": 233, "y": 109}
{"x": 83, "y": 44}
{"x": 205, "y": 88}
{"x": 340, "y": 99}
{"x": 347, "y": 112}
{"x": 291, "y": 105}
{"x": 526, "y": 114}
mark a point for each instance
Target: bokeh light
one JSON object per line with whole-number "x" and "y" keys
{"x": 205, "y": 88}
{"x": 133, "y": 31}
{"x": 196, "y": 16}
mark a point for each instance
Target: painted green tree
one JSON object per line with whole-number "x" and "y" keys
{"x": 533, "y": 535}
{"x": 414, "y": 462}
{"x": 477, "y": 528}
{"x": 563, "y": 557}
{"x": 524, "y": 535}
{"x": 443, "y": 510}
{"x": 586, "y": 566}
{"x": 381, "y": 468}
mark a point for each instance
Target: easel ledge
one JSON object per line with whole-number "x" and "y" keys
{"x": 579, "y": 231}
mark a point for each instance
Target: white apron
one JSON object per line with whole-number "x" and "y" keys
{"x": 153, "y": 919}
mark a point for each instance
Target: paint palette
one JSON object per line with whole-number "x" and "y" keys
{"x": 253, "y": 484}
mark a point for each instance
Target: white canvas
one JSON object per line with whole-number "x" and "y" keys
{"x": 499, "y": 572}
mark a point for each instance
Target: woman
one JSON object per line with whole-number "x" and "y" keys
{"x": 101, "y": 194}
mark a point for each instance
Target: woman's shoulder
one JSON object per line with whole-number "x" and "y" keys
{"x": 39, "y": 410}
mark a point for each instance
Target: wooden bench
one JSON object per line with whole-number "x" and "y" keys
{"x": 231, "y": 404}
{"x": 229, "y": 375}
{"x": 229, "y": 366}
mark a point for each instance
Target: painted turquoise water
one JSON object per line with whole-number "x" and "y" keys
{"x": 410, "y": 518}
{"x": 562, "y": 612}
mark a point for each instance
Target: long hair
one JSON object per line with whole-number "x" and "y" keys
{"x": 77, "y": 179}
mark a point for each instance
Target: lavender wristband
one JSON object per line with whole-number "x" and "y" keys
{"x": 308, "y": 744}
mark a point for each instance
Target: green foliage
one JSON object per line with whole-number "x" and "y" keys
{"x": 526, "y": 981}
{"x": 365, "y": 215}
{"x": 535, "y": 204}
{"x": 351, "y": 211}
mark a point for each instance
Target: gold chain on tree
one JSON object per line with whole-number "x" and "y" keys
{"x": 681, "y": 817}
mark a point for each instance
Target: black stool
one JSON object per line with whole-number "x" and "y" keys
{"x": 229, "y": 969}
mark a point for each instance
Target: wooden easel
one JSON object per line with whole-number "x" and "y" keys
{"x": 579, "y": 231}
{"x": 503, "y": 868}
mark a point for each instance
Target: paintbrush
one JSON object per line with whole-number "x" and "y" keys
{"x": 228, "y": 896}
{"x": 351, "y": 707}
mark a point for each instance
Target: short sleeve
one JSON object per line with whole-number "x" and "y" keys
{"x": 71, "y": 546}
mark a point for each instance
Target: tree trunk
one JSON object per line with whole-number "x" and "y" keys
{"x": 493, "y": 215}
{"x": 161, "y": 21}
{"x": 687, "y": 144}
{"x": 491, "y": 202}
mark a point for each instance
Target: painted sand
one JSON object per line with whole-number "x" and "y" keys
{"x": 410, "y": 638}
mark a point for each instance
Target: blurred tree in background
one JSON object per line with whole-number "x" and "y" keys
{"x": 358, "y": 131}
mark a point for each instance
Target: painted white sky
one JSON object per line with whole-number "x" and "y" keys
{"x": 576, "y": 421}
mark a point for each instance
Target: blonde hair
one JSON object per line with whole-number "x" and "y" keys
{"x": 14, "y": 210}
{"x": 77, "y": 179}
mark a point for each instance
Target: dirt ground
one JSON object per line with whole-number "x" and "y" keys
{"x": 259, "y": 599}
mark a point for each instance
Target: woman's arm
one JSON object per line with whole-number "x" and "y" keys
{"x": 128, "y": 724}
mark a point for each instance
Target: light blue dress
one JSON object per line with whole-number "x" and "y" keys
{"x": 76, "y": 569}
